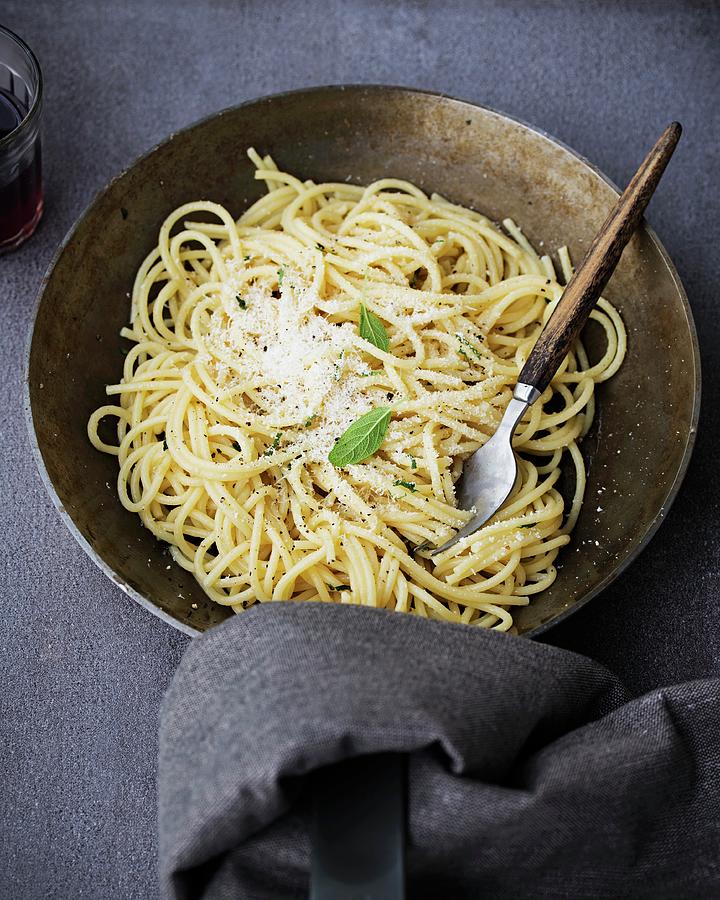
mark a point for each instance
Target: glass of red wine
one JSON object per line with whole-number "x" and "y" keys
{"x": 21, "y": 196}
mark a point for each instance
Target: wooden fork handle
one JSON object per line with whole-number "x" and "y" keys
{"x": 591, "y": 276}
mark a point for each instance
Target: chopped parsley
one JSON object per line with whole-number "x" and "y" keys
{"x": 410, "y": 485}
{"x": 236, "y": 446}
{"x": 281, "y": 275}
{"x": 340, "y": 587}
{"x": 413, "y": 461}
{"x": 273, "y": 447}
{"x": 240, "y": 302}
{"x": 310, "y": 420}
{"x": 464, "y": 342}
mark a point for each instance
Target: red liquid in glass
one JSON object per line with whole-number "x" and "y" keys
{"x": 21, "y": 199}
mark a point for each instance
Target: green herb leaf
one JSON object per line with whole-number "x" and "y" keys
{"x": 362, "y": 438}
{"x": 246, "y": 258}
{"x": 310, "y": 420}
{"x": 281, "y": 275}
{"x": 410, "y": 485}
{"x": 340, "y": 587}
{"x": 372, "y": 329}
{"x": 413, "y": 461}
{"x": 241, "y": 303}
{"x": 236, "y": 446}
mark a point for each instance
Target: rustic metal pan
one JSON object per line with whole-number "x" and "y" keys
{"x": 638, "y": 450}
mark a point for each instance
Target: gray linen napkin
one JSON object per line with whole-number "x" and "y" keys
{"x": 531, "y": 773}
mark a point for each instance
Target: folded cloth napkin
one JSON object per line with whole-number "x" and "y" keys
{"x": 531, "y": 773}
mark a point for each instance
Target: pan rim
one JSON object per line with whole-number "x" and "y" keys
{"x": 672, "y": 489}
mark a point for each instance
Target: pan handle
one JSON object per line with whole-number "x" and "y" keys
{"x": 358, "y": 829}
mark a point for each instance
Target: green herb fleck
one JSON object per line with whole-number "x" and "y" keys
{"x": 410, "y": 485}
{"x": 273, "y": 447}
{"x": 363, "y": 438}
{"x": 413, "y": 461}
{"x": 310, "y": 420}
{"x": 246, "y": 258}
{"x": 241, "y": 303}
{"x": 466, "y": 343}
{"x": 281, "y": 275}
{"x": 320, "y": 247}
{"x": 340, "y": 587}
{"x": 236, "y": 446}
{"x": 164, "y": 444}
{"x": 372, "y": 329}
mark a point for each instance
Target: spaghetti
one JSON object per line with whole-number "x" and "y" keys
{"x": 249, "y": 361}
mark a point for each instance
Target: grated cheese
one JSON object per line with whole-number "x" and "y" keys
{"x": 305, "y": 374}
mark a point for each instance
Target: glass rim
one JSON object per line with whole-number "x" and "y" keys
{"x": 32, "y": 113}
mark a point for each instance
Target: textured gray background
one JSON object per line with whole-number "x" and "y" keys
{"x": 83, "y": 668}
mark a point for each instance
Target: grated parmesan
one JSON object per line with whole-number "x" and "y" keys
{"x": 305, "y": 374}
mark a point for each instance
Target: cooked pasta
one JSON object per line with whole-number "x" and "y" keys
{"x": 258, "y": 343}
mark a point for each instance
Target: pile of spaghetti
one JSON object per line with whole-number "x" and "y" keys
{"x": 305, "y": 382}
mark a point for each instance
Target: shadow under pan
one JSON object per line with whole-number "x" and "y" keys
{"x": 639, "y": 447}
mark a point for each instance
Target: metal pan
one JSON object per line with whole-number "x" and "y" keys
{"x": 637, "y": 451}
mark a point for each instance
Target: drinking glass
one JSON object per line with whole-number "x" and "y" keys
{"x": 21, "y": 196}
